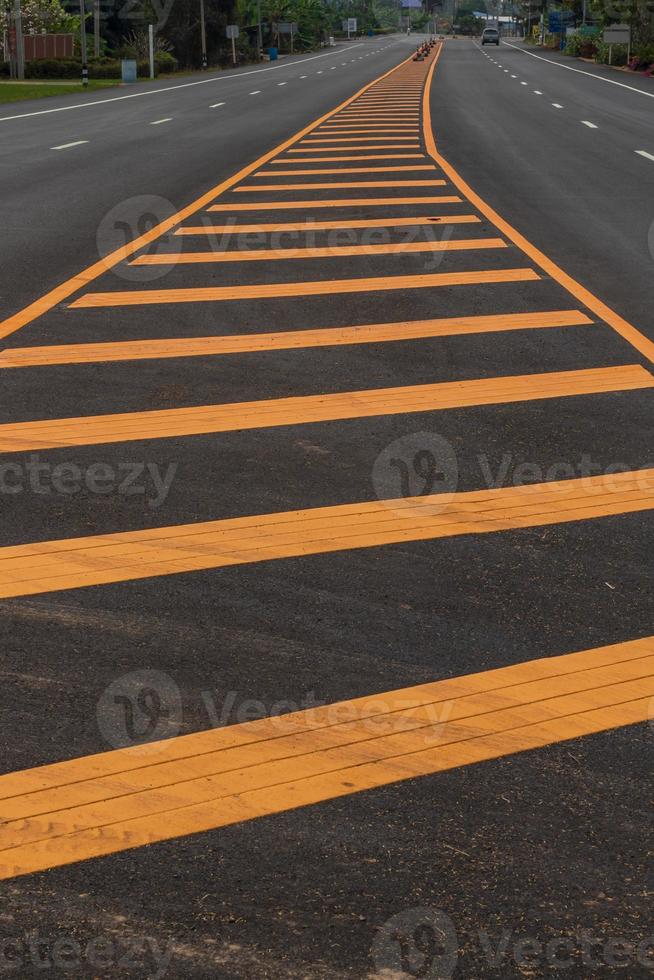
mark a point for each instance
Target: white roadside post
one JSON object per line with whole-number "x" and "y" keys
{"x": 151, "y": 48}
{"x": 232, "y": 32}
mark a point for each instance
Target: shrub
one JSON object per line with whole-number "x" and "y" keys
{"x": 98, "y": 67}
{"x": 573, "y": 46}
{"x": 164, "y": 61}
{"x": 54, "y": 68}
{"x": 618, "y": 57}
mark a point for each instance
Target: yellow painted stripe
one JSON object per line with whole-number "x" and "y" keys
{"x": 349, "y": 149}
{"x": 80, "y": 281}
{"x": 375, "y": 116}
{"x": 356, "y": 139}
{"x": 102, "y": 804}
{"x": 370, "y": 130}
{"x": 320, "y": 252}
{"x": 340, "y": 184}
{"x": 371, "y": 333}
{"x": 52, "y": 566}
{"x": 310, "y": 224}
{"x": 215, "y": 294}
{"x": 374, "y": 156}
{"x": 415, "y": 167}
{"x": 362, "y": 202}
{"x": 625, "y": 329}
{"x": 95, "y": 430}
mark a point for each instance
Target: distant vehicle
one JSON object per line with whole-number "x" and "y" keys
{"x": 490, "y": 35}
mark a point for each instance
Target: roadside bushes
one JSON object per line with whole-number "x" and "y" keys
{"x": 618, "y": 57}
{"x": 65, "y": 68}
{"x": 573, "y": 46}
{"x": 643, "y": 59}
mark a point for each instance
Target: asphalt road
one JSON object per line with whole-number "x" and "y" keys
{"x": 70, "y": 192}
{"x": 528, "y": 863}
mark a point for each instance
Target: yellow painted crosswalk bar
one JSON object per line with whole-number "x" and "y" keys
{"x": 413, "y": 145}
{"x": 311, "y": 224}
{"x": 348, "y": 202}
{"x": 73, "y": 563}
{"x": 304, "y": 409}
{"x": 318, "y": 252}
{"x": 218, "y": 294}
{"x": 333, "y": 184}
{"x": 355, "y": 128}
{"x": 103, "y": 804}
{"x": 415, "y": 167}
{"x": 370, "y": 333}
{"x": 355, "y": 139}
{"x": 375, "y": 156}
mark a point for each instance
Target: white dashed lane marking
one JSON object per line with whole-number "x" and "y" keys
{"x": 67, "y": 146}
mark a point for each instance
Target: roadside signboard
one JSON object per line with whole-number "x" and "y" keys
{"x": 286, "y": 27}
{"x": 617, "y": 34}
{"x": 232, "y": 32}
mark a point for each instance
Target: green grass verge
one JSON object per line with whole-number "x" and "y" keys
{"x": 18, "y": 91}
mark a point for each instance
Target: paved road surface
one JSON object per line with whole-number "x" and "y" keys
{"x": 337, "y": 431}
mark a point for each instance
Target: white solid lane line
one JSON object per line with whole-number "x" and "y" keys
{"x": 67, "y": 146}
{"x": 223, "y": 77}
{"x": 644, "y": 153}
{"x": 216, "y": 105}
{"x": 584, "y": 122}
{"x": 158, "y": 122}
{"x": 580, "y": 71}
